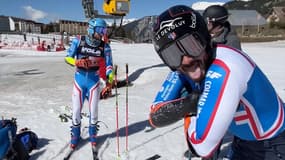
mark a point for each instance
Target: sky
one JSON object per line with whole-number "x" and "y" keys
{"x": 46, "y": 11}
{"x": 36, "y": 86}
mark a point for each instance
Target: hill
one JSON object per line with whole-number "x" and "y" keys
{"x": 262, "y": 6}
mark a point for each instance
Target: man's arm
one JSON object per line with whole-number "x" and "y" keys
{"x": 166, "y": 113}
{"x": 69, "y": 59}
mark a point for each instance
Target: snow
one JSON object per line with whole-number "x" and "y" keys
{"x": 204, "y": 5}
{"x": 36, "y": 87}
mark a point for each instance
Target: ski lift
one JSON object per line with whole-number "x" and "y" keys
{"x": 116, "y": 7}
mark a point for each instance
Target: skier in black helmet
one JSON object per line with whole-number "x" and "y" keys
{"x": 216, "y": 17}
{"x": 227, "y": 91}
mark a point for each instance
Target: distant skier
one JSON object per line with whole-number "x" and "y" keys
{"x": 220, "y": 29}
{"x": 87, "y": 53}
{"x": 227, "y": 91}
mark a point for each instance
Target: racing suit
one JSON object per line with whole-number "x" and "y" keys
{"x": 86, "y": 77}
{"x": 237, "y": 97}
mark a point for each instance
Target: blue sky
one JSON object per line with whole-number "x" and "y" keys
{"x": 46, "y": 11}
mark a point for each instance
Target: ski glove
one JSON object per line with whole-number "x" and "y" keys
{"x": 166, "y": 113}
{"x": 110, "y": 77}
{"x": 70, "y": 60}
{"x": 106, "y": 91}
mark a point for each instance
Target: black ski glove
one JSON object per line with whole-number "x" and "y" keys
{"x": 166, "y": 113}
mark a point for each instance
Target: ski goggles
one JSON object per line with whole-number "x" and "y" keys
{"x": 100, "y": 30}
{"x": 173, "y": 53}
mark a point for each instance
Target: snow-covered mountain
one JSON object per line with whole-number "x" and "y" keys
{"x": 204, "y": 5}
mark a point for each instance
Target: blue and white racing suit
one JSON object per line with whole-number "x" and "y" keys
{"x": 236, "y": 97}
{"x": 86, "y": 81}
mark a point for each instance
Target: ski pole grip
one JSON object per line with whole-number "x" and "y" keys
{"x": 127, "y": 68}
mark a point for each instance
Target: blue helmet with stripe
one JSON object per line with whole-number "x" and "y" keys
{"x": 96, "y": 25}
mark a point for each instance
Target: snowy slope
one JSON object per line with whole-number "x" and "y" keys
{"x": 36, "y": 86}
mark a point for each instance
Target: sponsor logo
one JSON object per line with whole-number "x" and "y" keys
{"x": 170, "y": 25}
{"x": 172, "y": 36}
{"x": 206, "y": 91}
{"x": 194, "y": 21}
{"x": 213, "y": 75}
{"x": 90, "y": 51}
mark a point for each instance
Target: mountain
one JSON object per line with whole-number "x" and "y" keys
{"x": 140, "y": 30}
{"x": 203, "y": 5}
{"x": 262, "y": 6}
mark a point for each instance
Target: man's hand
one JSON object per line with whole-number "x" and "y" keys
{"x": 106, "y": 91}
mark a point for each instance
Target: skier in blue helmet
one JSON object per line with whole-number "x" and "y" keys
{"x": 98, "y": 26}
{"x": 88, "y": 53}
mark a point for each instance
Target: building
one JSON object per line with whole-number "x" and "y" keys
{"x": 72, "y": 27}
{"x": 246, "y": 18}
{"x": 276, "y": 15}
{"x": 14, "y": 24}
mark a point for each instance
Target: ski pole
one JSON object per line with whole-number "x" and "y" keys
{"x": 117, "y": 112}
{"x": 127, "y": 105}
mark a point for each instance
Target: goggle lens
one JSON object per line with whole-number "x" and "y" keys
{"x": 100, "y": 30}
{"x": 186, "y": 46}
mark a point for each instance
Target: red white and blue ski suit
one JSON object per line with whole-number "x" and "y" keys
{"x": 236, "y": 97}
{"x": 86, "y": 80}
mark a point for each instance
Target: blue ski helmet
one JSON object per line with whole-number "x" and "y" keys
{"x": 96, "y": 25}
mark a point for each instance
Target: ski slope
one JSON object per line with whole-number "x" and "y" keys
{"x": 36, "y": 87}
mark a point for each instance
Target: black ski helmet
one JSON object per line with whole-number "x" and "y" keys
{"x": 179, "y": 20}
{"x": 216, "y": 14}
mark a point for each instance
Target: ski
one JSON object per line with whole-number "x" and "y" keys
{"x": 95, "y": 153}
{"x": 64, "y": 117}
{"x": 154, "y": 157}
{"x": 68, "y": 153}
{"x": 124, "y": 83}
{"x": 187, "y": 155}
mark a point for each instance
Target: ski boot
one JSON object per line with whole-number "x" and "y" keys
{"x": 75, "y": 135}
{"x": 93, "y": 128}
